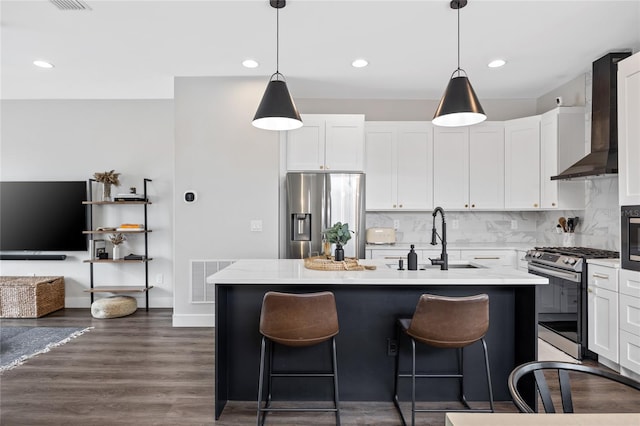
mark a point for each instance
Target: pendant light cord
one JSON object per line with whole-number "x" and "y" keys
{"x": 277, "y": 43}
{"x": 458, "y": 39}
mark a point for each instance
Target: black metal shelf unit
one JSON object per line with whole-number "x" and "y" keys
{"x": 93, "y": 232}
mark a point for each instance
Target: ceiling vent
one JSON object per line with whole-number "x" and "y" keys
{"x": 70, "y": 4}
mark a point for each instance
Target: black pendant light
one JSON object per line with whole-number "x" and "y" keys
{"x": 459, "y": 105}
{"x": 277, "y": 110}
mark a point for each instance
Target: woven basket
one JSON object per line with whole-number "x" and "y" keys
{"x": 323, "y": 263}
{"x": 30, "y": 297}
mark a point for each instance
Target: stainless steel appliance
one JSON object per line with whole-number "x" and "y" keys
{"x": 630, "y": 233}
{"x": 315, "y": 202}
{"x": 562, "y": 305}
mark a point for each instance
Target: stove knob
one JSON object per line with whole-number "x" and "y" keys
{"x": 571, "y": 261}
{"x": 565, "y": 260}
{"x": 537, "y": 254}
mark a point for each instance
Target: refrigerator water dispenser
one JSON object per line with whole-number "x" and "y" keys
{"x": 301, "y": 227}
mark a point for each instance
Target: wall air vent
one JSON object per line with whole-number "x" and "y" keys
{"x": 201, "y": 292}
{"x": 70, "y": 4}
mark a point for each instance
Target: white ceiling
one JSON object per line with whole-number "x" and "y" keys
{"x": 133, "y": 49}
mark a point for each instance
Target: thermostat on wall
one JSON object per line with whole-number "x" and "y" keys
{"x": 190, "y": 196}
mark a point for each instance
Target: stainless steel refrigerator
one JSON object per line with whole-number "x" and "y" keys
{"x": 315, "y": 202}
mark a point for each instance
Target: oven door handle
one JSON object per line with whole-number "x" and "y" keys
{"x": 571, "y": 276}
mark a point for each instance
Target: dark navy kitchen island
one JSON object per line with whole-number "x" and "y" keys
{"x": 368, "y": 304}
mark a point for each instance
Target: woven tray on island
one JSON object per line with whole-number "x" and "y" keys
{"x": 327, "y": 263}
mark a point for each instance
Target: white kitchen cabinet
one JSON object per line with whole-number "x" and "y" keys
{"x": 486, "y": 166}
{"x": 491, "y": 258}
{"x": 630, "y": 314}
{"x": 602, "y": 308}
{"x": 327, "y": 142}
{"x": 398, "y": 165}
{"x": 629, "y": 353}
{"x": 451, "y": 167}
{"x": 630, "y": 322}
{"x": 468, "y": 167}
{"x": 522, "y": 163}
{"x": 629, "y": 130}
{"x": 630, "y": 283}
{"x": 562, "y": 143}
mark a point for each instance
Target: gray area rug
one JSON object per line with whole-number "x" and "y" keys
{"x": 18, "y": 344}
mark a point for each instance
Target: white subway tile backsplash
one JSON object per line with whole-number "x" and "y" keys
{"x": 598, "y": 226}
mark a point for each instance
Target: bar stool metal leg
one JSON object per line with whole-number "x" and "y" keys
{"x": 334, "y": 365}
{"x": 270, "y": 349}
{"x": 396, "y": 376}
{"x": 413, "y": 382}
{"x": 486, "y": 363}
{"x": 261, "y": 414}
{"x": 462, "y": 396}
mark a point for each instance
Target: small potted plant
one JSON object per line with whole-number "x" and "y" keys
{"x": 107, "y": 179}
{"x": 116, "y": 240}
{"x": 339, "y": 234}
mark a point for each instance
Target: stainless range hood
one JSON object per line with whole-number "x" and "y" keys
{"x": 603, "y": 158}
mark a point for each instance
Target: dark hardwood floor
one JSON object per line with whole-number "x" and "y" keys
{"x": 139, "y": 370}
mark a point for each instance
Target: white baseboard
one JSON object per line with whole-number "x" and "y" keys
{"x": 192, "y": 320}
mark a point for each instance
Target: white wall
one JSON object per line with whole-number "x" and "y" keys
{"x": 573, "y": 93}
{"x": 71, "y": 140}
{"x": 411, "y": 110}
{"x": 234, "y": 169}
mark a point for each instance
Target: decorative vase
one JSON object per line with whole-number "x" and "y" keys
{"x": 106, "y": 192}
{"x": 116, "y": 252}
{"x": 339, "y": 256}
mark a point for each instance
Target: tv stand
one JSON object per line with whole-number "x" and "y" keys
{"x": 28, "y": 256}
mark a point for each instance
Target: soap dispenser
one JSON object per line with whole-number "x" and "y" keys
{"x": 412, "y": 260}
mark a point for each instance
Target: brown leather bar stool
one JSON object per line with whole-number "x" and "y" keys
{"x": 444, "y": 322}
{"x": 296, "y": 320}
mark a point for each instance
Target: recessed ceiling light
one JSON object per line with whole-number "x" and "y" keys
{"x": 359, "y": 63}
{"x": 43, "y": 64}
{"x": 250, "y": 63}
{"x": 497, "y": 63}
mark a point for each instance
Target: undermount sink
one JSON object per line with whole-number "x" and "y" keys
{"x": 452, "y": 265}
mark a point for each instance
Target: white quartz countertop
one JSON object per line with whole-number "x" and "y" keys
{"x": 292, "y": 271}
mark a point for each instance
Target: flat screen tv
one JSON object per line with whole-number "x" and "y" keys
{"x": 43, "y": 216}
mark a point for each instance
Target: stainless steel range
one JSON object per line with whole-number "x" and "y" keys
{"x": 562, "y": 305}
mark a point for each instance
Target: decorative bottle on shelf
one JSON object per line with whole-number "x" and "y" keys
{"x": 412, "y": 259}
{"x": 339, "y": 252}
{"x": 116, "y": 252}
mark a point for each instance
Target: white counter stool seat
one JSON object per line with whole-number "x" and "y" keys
{"x": 296, "y": 320}
{"x": 444, "y": 322}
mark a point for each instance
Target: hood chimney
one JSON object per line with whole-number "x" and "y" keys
{"x": 603, "y": 158}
